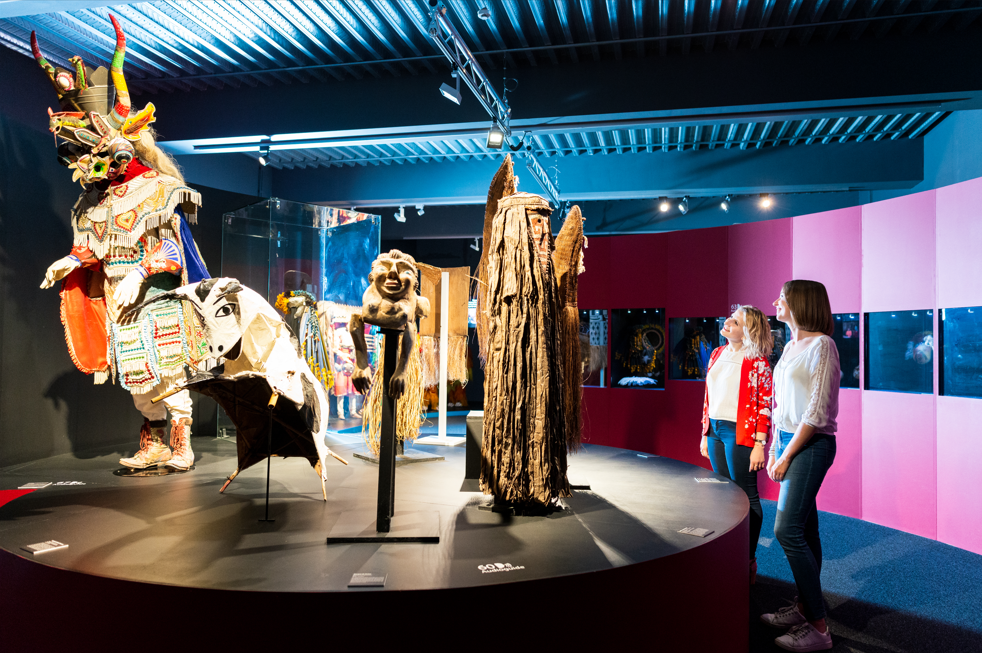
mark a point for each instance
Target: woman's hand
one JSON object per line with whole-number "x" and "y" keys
{"x": 771, "y": 464}
{"x": 704, "y": 447}
{"x": 757, "y": 459}
{"x": 779, "y": 470}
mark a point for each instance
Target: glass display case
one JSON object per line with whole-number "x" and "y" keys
{"x": 899, "y": 351}
{"x": 593, "y": 347}
{"x": 691, "y": 341}
{"x": 638, "y": 341}
{"x": 961, "y": 349}
{"x": 781, "y": 335}
{"x": 275, "y": 246}
{"x": 846, "y": 337}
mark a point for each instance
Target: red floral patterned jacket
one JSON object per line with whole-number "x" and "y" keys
{"x": 754, "y": 404}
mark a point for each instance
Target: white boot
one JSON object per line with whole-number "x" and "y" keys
{"x": 180, "y": 440}
{"x": 152, "y": 451}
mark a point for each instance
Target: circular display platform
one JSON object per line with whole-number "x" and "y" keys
{"x": 617, "y": 546}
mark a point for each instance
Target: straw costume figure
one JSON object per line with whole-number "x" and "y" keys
{"x": 131, "y": 243}
{"x": 528, "y": 330}
{"x": 391, "y": 302}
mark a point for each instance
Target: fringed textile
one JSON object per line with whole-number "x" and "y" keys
{"x": 409, "y": 413}
{"x": 566, "y": 258}
{"x": 503, "y": 184}
{"x": 524, "y": 445}
{"x": 456, "y": 363}
{"x": 83, "y": 314}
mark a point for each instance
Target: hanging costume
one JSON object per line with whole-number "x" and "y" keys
{"x": 528, "y": 329}
{"x": 131, "y": 243}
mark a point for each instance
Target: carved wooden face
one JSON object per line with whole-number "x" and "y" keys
{"x": 394, "y": 278}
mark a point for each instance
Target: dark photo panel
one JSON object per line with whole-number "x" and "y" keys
{"x": 593, "y": 347}
{"x": 846, "y": 337}
{"x": 638, "y": 354}
{"x": 961, "y": 347}
{"x": 691, "y": 341}
{"x": 900, "y": 351}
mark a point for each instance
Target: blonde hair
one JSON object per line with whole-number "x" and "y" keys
{"x": 154, "y": 157}
{"x": 757, "y": 338}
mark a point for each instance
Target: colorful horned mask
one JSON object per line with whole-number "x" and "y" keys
{"x": 98, "y": 143}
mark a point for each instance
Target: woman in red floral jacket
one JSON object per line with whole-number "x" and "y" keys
{"x": 736, "y": 413}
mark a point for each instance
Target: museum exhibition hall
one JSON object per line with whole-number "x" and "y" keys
{"x": 406, "y": 319}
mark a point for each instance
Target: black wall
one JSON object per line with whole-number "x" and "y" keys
{"x": 47, "y": 407}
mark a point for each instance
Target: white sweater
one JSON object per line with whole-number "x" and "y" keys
{"x": 806, "y": 388}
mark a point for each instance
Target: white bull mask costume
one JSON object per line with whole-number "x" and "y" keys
{"x": 260, "y": 359}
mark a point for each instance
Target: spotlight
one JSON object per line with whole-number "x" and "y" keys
{"x": 663, "y": 206}
{"x": 264, "y": 155}
{"x": 449, "y": 92}
{"x": 496, "y": 137}
{"x": 484, "y": 13}
{"x": 400, "y": 215}
{"x": 476, "y": 245}
{"x": 684, "y": 205}
{"x": 419, "y": 209}
{"x": 765, "y": 201}
{"x": 725, "y": 204}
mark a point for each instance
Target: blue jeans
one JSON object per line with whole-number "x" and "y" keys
{"x": 733, "y": 461}
{"x": 796, "y": 523}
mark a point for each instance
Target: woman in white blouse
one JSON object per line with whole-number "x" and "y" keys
{"x": 806, "y": 403}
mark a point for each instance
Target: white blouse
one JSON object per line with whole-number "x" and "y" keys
{"x": 723, "y": 382}
{"x": 806, "y": 388}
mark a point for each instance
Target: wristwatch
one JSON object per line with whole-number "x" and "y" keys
{"x": 761, "y": 442}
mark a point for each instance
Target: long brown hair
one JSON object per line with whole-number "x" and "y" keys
{"x": 757, "y": 338}
{"x": 809, "y": 304}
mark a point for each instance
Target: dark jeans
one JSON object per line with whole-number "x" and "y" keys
{"x": 796, "y": 524}
{"x": 733, "y": 460}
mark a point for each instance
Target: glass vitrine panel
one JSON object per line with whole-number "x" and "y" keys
{"x": 593, "y": 347}
{"x": 899, "y": 351}
{"x": 690, "y": 344}
{"x": 638, "y": 347}
{"x": 961, "y": 346}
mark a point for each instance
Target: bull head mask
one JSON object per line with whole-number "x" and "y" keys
{"x": 98, "y": 143}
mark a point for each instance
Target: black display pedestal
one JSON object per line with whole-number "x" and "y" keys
{"x": 386, "y": 460}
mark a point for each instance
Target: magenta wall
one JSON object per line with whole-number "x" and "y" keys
{"x": 903, "y": 460}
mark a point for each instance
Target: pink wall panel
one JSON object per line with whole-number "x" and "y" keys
{"x": 959, "y": 481}
{"x": 899, "y": 253}
{"x": 842, "y": 491}
{"x": 827, "y": 247}
{"x": 959, "y": 234}
{"x": 899, "y": 476}
{"x": 697, "y": 272}
{"x": 759, "y": 262}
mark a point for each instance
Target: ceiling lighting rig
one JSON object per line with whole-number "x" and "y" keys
{"x": 463, "y": 62}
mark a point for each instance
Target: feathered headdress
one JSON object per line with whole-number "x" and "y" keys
{"x": 99, "y": 140}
